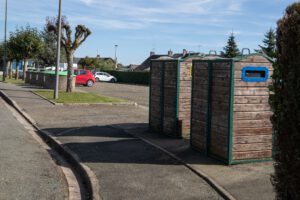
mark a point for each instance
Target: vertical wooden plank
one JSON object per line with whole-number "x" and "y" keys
{"x": 221, "y": 72}
{"x": 199, "y": 105}
{"x": 170, "y": 98}
{"x": 155, "y": 96}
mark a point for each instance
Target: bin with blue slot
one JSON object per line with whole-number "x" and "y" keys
{"x": 230, "y": 111}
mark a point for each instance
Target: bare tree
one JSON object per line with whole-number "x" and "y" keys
{"x": 68, "y": 43}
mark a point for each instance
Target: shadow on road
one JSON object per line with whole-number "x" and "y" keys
{"x": 111, "y": 144}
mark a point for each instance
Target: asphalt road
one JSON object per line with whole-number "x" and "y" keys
{"x": 136, "y": 93}
{"x": 26, "y": 169}
{"x": 128, "y": 168}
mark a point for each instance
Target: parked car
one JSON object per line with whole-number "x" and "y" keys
{"x": 103, "y": 76}
{"x": 84, "y": 77}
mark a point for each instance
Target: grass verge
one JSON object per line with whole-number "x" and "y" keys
{"x": 78, "y": 97}
{"x": 13, "y": 81}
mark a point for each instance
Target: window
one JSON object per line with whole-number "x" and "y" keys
{"x": 255, "y": 74}
{"x": 82, "y": 72}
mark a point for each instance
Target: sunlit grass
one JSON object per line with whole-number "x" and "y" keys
{"x": 78, "y": 97}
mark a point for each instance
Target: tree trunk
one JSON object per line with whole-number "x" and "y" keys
{"x": 25, "y": 68}
{"x": 17, "y": 70}
{"x": 70, "y": 55}
{"x": 10, "y": 70}
{"x": 7, "y": 67}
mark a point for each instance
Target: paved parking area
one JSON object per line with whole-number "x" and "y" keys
{"x": 131, "y": 167}
{"x": 136, "y": 93}
{"x": 126, "y": 167}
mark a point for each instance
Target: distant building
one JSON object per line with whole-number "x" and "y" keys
{"x": 130, "y": 67}
{"x": 145, "y": 66}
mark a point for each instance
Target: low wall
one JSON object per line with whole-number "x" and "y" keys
{"x": 47, "y": 81}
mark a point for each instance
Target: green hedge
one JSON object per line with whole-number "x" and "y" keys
{"x": 286, "y": 106}
{"x": 141, "y": 78}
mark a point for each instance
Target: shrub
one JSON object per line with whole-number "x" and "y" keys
{"x": 286, "y": 106}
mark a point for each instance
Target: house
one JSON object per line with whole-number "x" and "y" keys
{"x": 131, "y": 67}
{"x": 145, "y": 66}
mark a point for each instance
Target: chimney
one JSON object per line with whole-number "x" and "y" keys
{"x": 170, "y": 53}
{"x": 184, "y": 52}
{"x": 152, "y": 53}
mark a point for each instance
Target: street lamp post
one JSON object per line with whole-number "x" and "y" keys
{"x": 58, "y": 53}
{"x": 5, "y": 43}
{"x": 116, "y": 59}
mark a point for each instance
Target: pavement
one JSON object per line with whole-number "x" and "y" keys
{"x": 131, "y": 163}
{"x": 27, "y": 169}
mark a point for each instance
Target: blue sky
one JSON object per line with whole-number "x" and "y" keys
{"x": 139, "y": 26}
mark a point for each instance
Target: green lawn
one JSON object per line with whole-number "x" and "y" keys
{"x": 78, "y": 97}
{"x": 13, "y": 81}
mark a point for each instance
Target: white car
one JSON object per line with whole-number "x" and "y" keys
{"x": 103, "y": 76}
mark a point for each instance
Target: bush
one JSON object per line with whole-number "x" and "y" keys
{"x": 286, "y": 106}
{"x": 141, "y": 78}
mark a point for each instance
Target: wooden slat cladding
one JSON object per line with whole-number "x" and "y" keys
{"x": 255, "y": 59}
{"x": 252, "y": 115}
{"x": 171, "y": 95}
{"x": 251, "y": 99}
{"x": 248, "y": 155}
{"x": 199, "y": 106}
{"x": 252, "y": 128}
{"x": 155, "y": 98}
{"x": 230, "y": 117}
{"x": 220, "y": 88}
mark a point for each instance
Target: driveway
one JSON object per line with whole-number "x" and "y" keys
{"x": 136, "y": 93}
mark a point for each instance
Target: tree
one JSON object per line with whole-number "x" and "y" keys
{"x": 30, "y": 44}
{"x": 26, "y": 44}
{"x": 2, "y": 54}
{"x": 13, "y": 45}
{"x": 231, "y": 50}
{"x": 47, "y": 57}
{"x": 102, "y": 64}
{"x": 69, "y": 45}
{"x": 286, "y": 106}
{"x": 269, "y": 42}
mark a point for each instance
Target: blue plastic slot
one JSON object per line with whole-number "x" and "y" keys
{"x": 255, "y": 74}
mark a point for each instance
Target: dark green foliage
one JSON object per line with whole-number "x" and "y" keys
{"x": 231, "y": 50}
{"x": 47, "y": 57}
{"x": 141, "y": 78}
{"x": 27, "y": 41}
{"x": 102, "y": 64}
{"x": 269, "y": 42}
{"x": 286, "y": 106}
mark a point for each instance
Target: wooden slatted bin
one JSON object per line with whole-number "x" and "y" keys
{"x": 170, "y": 97}
{"x": 230, "y": 111}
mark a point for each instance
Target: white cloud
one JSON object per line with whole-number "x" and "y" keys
{"x": 87, "y": 2}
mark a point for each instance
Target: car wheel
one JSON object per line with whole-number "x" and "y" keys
{"x": 97, "y": 80}
{"x": 90, "y": 83}
{"x": 113, "y": 80}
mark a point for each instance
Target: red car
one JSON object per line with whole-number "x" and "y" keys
{"x": 84, "y": 77}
